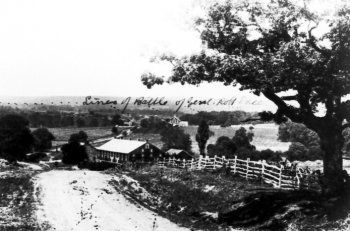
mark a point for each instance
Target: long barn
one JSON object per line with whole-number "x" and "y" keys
{"x": 121, "y": 150}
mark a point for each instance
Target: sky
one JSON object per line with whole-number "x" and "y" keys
{"x": 90, "y": 47}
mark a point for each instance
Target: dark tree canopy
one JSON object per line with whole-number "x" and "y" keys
{"x": 42, "y": 139}
{"x": 202, "y": 136}
{"x": 115, "y": 130}
{"x": 242, "y": 139}
{"x": 174, "y": 137}
{"x": 74, "y": 152}
{"x": 16, "y": 139}
{"x": 80, "y": 137}
{"x": 117, "y": 120}
{"x": 224, "y": 146}
{"x": 272, "y": 50}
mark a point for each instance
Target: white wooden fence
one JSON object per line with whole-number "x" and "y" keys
{"x": 248, "y": 169}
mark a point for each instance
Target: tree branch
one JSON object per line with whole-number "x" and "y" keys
{"x": 289, "y": 111}
{"x": 290, "y": 97}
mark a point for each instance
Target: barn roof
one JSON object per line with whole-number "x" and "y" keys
{"x": 173, "y": 151}
{"x": 121, "y": 146}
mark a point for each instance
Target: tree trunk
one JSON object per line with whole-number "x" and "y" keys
{"x": 332, "y": 142}
{"x": 201, "y": 148}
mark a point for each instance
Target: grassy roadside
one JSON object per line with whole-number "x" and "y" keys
{"x": 214, "y": 200}
{"x": 191, "y": 199}
{"x": 17, "y": 201}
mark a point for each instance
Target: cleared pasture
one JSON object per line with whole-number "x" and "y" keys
{"x": 63, "y": 134}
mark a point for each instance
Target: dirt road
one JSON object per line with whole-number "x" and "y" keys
{"x": 83, "y": 200}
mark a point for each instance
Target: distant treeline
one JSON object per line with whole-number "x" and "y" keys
{"x": 51, "y": 119}
{"x": 222, "y": 118}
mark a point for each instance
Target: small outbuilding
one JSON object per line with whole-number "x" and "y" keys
{"x": 178, "y": 154}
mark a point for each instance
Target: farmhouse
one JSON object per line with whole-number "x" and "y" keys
{"x": 121, "y": 150}
{"x": 178, "y": 154}
{"x": 175, "y": 121}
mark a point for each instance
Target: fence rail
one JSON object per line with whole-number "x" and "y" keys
{"x": 272, "y": 174}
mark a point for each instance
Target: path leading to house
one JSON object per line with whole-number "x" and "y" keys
{"x": 83, "y": 200}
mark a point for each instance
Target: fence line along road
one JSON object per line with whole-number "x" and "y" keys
{"x": 272, "y": 174}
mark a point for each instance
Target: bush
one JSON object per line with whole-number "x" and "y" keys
{"x": 73, "y": 153}
{"x": 36, "y": 157}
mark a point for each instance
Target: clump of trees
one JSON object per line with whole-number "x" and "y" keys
{"x": 74, "y": 152}
{"x": 174, "y": 137}
{"x": 306, "y": 144}
{"x": 153, "y": 124}
{"x": 271, "y": 49}
{"x": 222, "y": 118}
{"x": 56, "y": 118}
{"x": 16, "y": 139}
{"x": 42, "y": 139}
{"x": 240, "y": 145}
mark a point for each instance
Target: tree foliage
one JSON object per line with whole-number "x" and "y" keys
{"x": 174, "y": 137}
{"x": 202, "y": 136}
{"x": 42, "y": 139}
{"x": 80, "y": 137}
{"x": 271, "y": 49}
{"x": 16, "y": 139}
{"x": 222, "y": 118}
{"x": 115, "y": 130}
{"x": 224, "y": 146}
{"x": 117, "y": 120}
{"x": 295, "y": 132}
{"x": 242, "y": 139}
{"x": 74, "y": 152}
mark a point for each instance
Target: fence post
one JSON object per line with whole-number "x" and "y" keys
{"x": 280, "y": 177}
{"x": 174, "y": 161}
{"x": 192, "y": 163}
{"x": 263, "y": 169}
{"x": 199, "y": 162}
{"x": 298, "y": 181}
{"x": 246, "y": 174}
{"x": 184, "y": 163}
{"x": 234, "y": 166}
{"x": 214, "y": 162}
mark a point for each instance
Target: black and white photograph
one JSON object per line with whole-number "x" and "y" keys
{"x": 174, "y": 115}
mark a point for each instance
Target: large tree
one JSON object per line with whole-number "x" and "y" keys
{"x": 174, "y": 137}
{"x": 273, "y": 50}
{"x": 42, "y": 139}
{"x": 16, "y": 139}
{"x": 202, "y": 136}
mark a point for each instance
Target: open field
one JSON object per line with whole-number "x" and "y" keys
{"x": 265, "y": 136}
{"x": 63, "y": 134}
